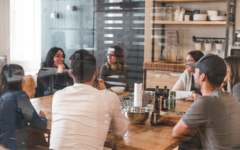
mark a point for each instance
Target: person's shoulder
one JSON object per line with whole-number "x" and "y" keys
{"x": 12, "y": 95}
{"x": 111, "y": 96}
{"x": 66, "y": 66}
{"x": 104, "y": 66}
{"x": 236, "y": 87}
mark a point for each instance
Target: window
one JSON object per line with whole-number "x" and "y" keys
{"x": 25, "y": 31}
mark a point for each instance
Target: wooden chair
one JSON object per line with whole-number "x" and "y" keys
{"x": 42, "y": 148}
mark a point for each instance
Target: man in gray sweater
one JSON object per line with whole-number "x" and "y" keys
{"x": 216, "y": 113}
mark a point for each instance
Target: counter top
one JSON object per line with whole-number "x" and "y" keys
{"x": 175, "y": 67}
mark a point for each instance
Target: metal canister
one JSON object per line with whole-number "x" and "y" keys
{"x": 172, "y": 101}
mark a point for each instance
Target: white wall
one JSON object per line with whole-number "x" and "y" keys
{"x": 4, "y": 28}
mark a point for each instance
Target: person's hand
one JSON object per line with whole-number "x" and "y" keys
{"x": 42, "y": 114}
{"x": 60, "y": 68}
{"x": 193, "y": 97}
{"x": 101, "y": 85}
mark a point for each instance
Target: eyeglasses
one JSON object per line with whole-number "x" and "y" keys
{"x": 111, "y": 55}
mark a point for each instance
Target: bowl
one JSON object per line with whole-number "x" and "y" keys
{"x": 137, "y": 115}
{"x": 118, "y": 89}
{"x": 199, "y": 17}
{"x": 217, "y": 18}
{"x": 212, "y": 13}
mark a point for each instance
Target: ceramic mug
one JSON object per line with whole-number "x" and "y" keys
{"x": 187, "y": 17}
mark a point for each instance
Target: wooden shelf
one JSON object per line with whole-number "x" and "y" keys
{"x": 193, "y": 22}
{"x": 172, "y": 1}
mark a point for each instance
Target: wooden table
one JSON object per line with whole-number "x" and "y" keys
{"x": 142, "y": 136}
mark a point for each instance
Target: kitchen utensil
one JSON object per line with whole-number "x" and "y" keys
{"x": 198, "y": 46}
{"x": 187, "y": 18}
{"x": 190, "y": 13}
{"x": 118, "y": 89}
{"x": 199, "y": 17}
{"x": 217, "y": 18}
{"x": 208, "y": 46}
{"x": 137, "y": 115}
{"x": 212, "y": 12}
{"x": 219, "y": 46}
{"x": 196, "y": 11}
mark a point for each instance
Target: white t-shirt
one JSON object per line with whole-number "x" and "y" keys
{"x": 81, "y": 117}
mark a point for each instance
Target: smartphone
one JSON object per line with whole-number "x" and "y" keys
{"x": 180, "y": 113}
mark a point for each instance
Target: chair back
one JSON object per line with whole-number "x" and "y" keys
{"x": 42, "y": 148}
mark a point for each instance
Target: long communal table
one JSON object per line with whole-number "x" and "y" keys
{"x": 142, "y": 136}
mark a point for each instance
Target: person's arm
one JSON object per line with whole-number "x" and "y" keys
{"x": 118, "y": 125}
{"x": 179, "y": 86}
{"x": 195, "y": 117}
{"x": 30, "y": 114}
{"x": 236, "y": 91}
{"x": 180, "y": 130}
{"x": 183, "y": 94}
{"x": 103, "y": 73}
{"x": 41, "y": 83}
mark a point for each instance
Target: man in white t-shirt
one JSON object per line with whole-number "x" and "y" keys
{"x": 82, "y": 114}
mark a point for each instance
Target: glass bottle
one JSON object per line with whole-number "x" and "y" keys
{"x": 169, "y": 54}
{"x": 165, "y": 99}
{"x": 160, "y": 14}
{"x": 156, "y": 108}
{"x": 163, "y": 56}
{"x": 172, "y": 101}
{"x": 164, "y": 13}
{"x": 170, "y": 14}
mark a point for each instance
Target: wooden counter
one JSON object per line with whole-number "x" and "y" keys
{"x": 175, "y": 67}
{"x": 142, "y": 136}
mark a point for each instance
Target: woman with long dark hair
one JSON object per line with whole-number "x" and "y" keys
{"x": 53, "y": 69}
{"x": 16, "y": 110}
{"x": 114, "y": 72}
{"x": 186, "y": 81}
{"x": 232, "y": 79}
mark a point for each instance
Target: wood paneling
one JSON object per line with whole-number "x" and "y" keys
{"x": 176, "y": 67}
{"x": 193, "y": 22}
{"x": 162, "y": 1}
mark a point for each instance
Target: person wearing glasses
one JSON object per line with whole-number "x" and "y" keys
{"x": 185, "y": 85}
{"x": 114, "y": 72}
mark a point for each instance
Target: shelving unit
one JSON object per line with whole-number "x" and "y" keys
{"x": 227, "y": 23}
{"x": 158, "y": 25}
{"x": 193, "y": 22}
{"x": 175, "y": 1}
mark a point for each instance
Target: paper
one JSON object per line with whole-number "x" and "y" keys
{"x": 138, "y": 94}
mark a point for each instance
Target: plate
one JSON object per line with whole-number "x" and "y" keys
{"x": 217, "y": 18}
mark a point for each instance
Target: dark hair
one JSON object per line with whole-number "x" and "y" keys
{"x": 49, "y": 59}
{"x": 120, "y": 57}
{"x": 82, "y": 65}
{"x": 15, "y": 85}
{"x": 213, "y": 81}
{"x": 196, "y": 55}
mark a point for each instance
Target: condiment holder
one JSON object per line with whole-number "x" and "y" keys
{"x": 208, "y": 45}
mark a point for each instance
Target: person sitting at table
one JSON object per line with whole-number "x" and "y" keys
{"x": 185, "y": 83}
{"x": 216, "y": 113}
{"x": 115, "y": 72}
{"x": 82, "y": 114}
{"x": 16, "y": 110}
{"x": 53, "y": 67}
{"x": 232, "y": 79}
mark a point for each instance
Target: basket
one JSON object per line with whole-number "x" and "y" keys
{"x": 128, "y": 101}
